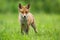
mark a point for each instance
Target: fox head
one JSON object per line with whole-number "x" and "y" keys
{"x": 24, "y": 10}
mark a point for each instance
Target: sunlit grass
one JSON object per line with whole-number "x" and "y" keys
{"x": 48, "y": 26}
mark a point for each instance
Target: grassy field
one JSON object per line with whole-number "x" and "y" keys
{"x": 48, "y": 26}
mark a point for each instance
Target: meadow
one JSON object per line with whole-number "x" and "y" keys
{"x": 48, "y": 26}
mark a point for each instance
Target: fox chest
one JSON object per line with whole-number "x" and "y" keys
{"x": 23, "y": 21}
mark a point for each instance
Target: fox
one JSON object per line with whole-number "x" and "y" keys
{"x": 26, "y": 19}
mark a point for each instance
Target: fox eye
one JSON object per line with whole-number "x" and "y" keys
{"x": 22, "y": 12}
{"x": 26, "y": 12}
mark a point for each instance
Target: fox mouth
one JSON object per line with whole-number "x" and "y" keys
{"x": 24, "y": 18}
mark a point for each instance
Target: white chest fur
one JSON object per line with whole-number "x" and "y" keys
{"x": 22, "y": 19}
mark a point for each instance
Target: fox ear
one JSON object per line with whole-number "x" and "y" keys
{"x": 20, "y": 6}
{"x": 28, "y": 6}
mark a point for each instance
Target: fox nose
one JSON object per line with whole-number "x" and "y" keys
{"x": 24, "y": 16}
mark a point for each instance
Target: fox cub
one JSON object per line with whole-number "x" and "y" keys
{"x": 26, "y": 19}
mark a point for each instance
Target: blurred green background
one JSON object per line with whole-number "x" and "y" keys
{"x": 45, "y": 12}
{"x": 36, "y": 5}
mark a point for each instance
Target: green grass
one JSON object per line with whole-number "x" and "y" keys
{"x": 48, "y": 26}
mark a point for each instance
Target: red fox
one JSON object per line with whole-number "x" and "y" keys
{"x": 26, "y": 19}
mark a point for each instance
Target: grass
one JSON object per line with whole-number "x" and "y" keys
{"x": 48, "y": 26}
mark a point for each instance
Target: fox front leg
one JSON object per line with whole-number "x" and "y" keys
{"x": 27, "y": 29}
{"x": 22, "y": 28}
